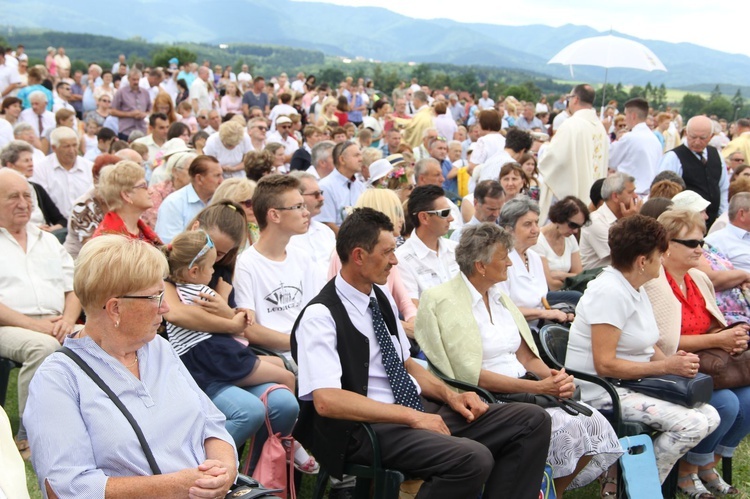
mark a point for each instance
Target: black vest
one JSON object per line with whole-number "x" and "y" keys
{"x": 328, "y": 438}
{"x": 703, "y": 179}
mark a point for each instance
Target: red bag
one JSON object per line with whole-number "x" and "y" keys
{"x": 272, "y": 469}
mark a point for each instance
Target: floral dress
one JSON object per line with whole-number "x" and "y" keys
{"x": 734, "y": 303}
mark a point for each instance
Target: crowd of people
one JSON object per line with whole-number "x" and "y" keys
{"x": 358, "y": 239}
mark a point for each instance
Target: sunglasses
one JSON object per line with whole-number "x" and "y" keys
{"x": 441, "y": 213}
{"x": 205, "y": 249}
{"x": 263, "y": 128}
{"x": 690, "y": 243}
{"x": 159, "y": 298}
{"x": 248, "y": 203}
{"x": 575, "y": 226}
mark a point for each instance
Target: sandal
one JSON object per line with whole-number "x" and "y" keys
{"x": 696, "y": 490}
{"x": 309, "y": 467}
{"x": 607, "y": 486}
{"x": 717, "y": 485}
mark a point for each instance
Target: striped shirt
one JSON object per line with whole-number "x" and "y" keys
{"x": 182, "y": 339}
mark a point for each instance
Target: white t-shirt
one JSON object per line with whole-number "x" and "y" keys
{"x": 276, "y": 291}
{"x": 486, "y": 147}
{"x": 611, "y": 299}
{"x": 228, "y": 157}
{"x": 560, "y": 263}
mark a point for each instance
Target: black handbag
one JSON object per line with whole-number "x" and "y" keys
{"x": 547, "y": 401}
{"x": 688, "y": 392}
{"x": 249, "y": 489}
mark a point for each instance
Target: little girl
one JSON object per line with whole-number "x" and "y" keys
{"x": 186, "y": 116}
{"x": 89, "y": 141}
{"x": 212, "y": 357}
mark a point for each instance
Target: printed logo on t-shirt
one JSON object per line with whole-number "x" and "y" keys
{"x": 284, "y": 297}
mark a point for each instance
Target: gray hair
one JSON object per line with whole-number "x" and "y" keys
{"x": 740, "y": 201}
{"x": 37, "y": 95}
{"x": 421, "y": 96}
{"x": 615, "y": 184}
{"x": 62, "y": 133}
{"x": 134, "y": 72}
{"x": 321, "y": 151}
{"x": 515, "y": 209}
{"x": 427, "y": 131}
{"x": 478, "y": 244}
{"x": 13, "y": 150}
{"x": 302, "y": 175}
{"x": 422, "y": 164}
{"x": 21, "y": 128}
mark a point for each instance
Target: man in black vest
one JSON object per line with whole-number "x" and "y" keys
{"x": 701, "y": 166}
{"x": 354, "y": 365}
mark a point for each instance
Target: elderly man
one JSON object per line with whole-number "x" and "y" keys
{"x": 618, "y": 193}
{"x": 131, "y": 105}
{"x": 199, "y": 95}
{"x": 485, "y": 102}
{"x": 734, "y": 239}
{"x": 577, "y": 155}
{"x": 38, "y": 307}
{"x": 319, "y": 241}
{"x": 701, "y": 166}
{"x": 38, "y": 116}
{"x": 63, "y": 174}
{"x": 458, "y": 112}
{"x": 527, "y": 120}
{"x": 244, "y": 75}
{"x": 740, "y": 143}
{"x": 637, "y": 152}
{"x": 321, "y": 159}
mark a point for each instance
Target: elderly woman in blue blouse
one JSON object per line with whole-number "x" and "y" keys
{"x": 496, "y": 349}
{"x": 94, "y": 452}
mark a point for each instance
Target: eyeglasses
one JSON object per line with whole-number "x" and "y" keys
{"x": 441, "y": 213}
{"x": 315, "y": 194}
{"x": 690, "y": 243}
{"x": 205, "y": 249}
{"x": 296, "y": 207}
{"x": 140, "y": 186}
{"x": 262, "y": 128}
{"x": 159, "y": 298}
{"x": 248, "y": 203}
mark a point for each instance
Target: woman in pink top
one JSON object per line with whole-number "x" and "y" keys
{"x": 232, "y": 100}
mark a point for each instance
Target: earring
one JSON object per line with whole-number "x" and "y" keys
{"x": 117, "y": 323}
{"x": 482, "y": 274}
{"x": 643, "y": 269}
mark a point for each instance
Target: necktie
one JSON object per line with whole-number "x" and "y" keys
{"x": 703, "y": 159}
{"x": 41, "y": 126}
{"x": 403, "y": 388}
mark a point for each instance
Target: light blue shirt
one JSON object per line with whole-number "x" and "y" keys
{"x": 176, "y": 211}
{"x": 79, "y": 438}
{"x": 734, "y": 243}
{"x": 671, "y": 162}
{"x": 340, "y": 193}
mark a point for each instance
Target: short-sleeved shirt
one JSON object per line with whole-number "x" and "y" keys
{"x": 611, "y": 299}
{"x": 341, "y": 193}
{"x": 176, "y": 211}
{"x": 422, "y": 268}
{"x": 64, "y": 186}
{"x": 131, "y": 99}
{"x": 228, "y": 157}
{"x": 260, "y": 100}
{"x": 560, "y": 263}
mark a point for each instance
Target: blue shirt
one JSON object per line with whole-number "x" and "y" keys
{"x": 671, "y": 162}
{"x": 734, "y": 243}
{"x": 176, "y": 211}
{"x": 24, "y": 93}
{"x": 450, "y": 185}
{"x": 340, "y": 193}
{"x": 79, "y": 438}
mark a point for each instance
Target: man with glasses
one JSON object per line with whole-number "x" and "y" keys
{"x": 61, "y": 98}
{"x": 256, "y": 129}
{"x": 701, "y": 166}
{"x": 38, "y": 307}
{"x": 319, "y": 241}
{"x": 620, "y": 200}
{"x": 341, "y": 186}
{"x": 739, "y": 144}
{"x": 427, "y": 258}
{"x": 273, "y": 278}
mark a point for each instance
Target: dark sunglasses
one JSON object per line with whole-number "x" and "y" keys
{"x": 248, "y": 203}
{"x": 441, "y": 213}
{"x": 690, "y": 243}
{"x": 575, "y": 226}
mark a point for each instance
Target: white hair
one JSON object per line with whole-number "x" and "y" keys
{"x": 37, "y": 95}
{"x": 62, "y": 133}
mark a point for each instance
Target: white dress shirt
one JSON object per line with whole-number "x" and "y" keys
{"x": 422, "y": 268}
{"x": 63, "y": 186}
{"x": 671, "y": 162}
{"x": 637, "y": 153}
{"x": 48, "y": 120}
{"x": 734, "y": 243}
{"x": 318, "y": 360}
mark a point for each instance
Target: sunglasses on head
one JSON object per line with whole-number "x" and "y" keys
{"x": 690, "y": 243}
{"x": 441, "y": 213}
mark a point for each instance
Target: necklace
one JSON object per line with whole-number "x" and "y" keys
{"x": 134, "y": 362}
{"x": 526, "y": 260}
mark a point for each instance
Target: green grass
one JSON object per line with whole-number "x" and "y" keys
{"x": 741, "y": 462}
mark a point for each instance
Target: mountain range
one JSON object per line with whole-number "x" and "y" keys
{"x": 368, "y": 32}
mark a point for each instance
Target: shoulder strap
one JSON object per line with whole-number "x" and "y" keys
{"x": 116, "y": 400}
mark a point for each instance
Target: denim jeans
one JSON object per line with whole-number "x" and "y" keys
{"x": 246, "y": 414}
{"x": 733, "y": 405}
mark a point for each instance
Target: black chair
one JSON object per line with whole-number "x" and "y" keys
{"x": 6, "y": 366}
{"x": 383, "y": 483}
{"x": 462, "y": 385}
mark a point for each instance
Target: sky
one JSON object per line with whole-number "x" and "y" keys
{"x": 700, "y": 22}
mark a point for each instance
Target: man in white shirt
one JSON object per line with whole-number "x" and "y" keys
{"x": 485, "y": 102}
{"x": 244, "y": 75}
{"x": 734, "y": 239}
{"x": 517, "y": 143}
{"x": 63, "y": 63}
{"x": 319, "y": 241}
{"x": 321, "y": 158}
{"x": 283, "y": 108}
{"x": 256, "y": 129}
{"x": 63, "y": 174}
{"x": 427, "y": 259}
{"x": 273, "y": 278}
{"x": 121, "y": 61}
{"x": 637, "y": 152}
{"x": 298, "y": 85}
{"x": 10, "y": 80}
{"x": 620, "y": 200}
{"x": 199, "y": 95}
{"x": 151, "y": 81}
{"x": 158, "y": 125}
{"x": 62, "y": 97}
{"x": 341, "y": 186}
{"x": 38, "y": 307}
{"x": 37, "y": 115}
{"x": 354, "y": 365}
{"x": 428, "y": 172}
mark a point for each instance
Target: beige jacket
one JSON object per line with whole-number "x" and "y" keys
{"x": 668, "y": 311}
{"x": 448, "y": 334}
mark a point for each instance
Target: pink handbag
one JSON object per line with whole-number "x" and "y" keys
{"x": 275, "y": 468}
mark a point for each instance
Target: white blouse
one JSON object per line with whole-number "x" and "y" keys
{"x": 560, "y": 263}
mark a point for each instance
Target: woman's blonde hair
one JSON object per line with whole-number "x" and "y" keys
{"x": 182, "y": 250}
{"x": 116, "y": 179}
{"x": 674, "y": 221}
{"x": 112, "y": 265}
{"x": 384, "y": 201}
{"x": 234, "y": 189}
{"x": 231, "y": 133}
{"x": 371, "y": 155}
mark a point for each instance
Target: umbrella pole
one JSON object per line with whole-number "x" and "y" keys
{"x": 604, "y": 93}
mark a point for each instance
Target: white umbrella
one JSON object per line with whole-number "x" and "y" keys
{"x": 608, "y": 52}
